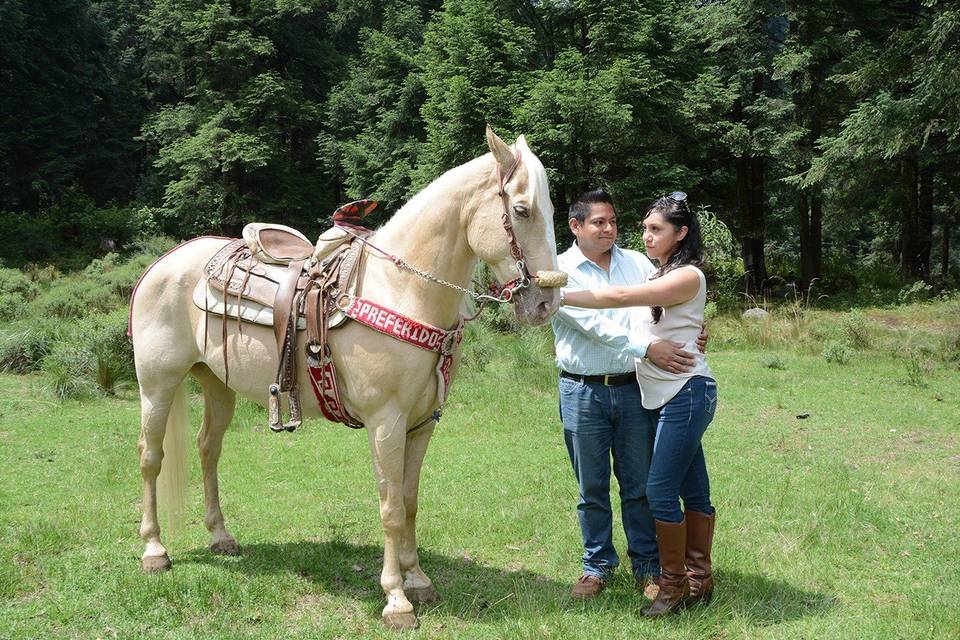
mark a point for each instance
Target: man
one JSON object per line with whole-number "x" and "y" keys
{"x": 600, "y": 403}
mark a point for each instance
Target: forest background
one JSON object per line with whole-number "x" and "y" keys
{"x": 824, "y": 135}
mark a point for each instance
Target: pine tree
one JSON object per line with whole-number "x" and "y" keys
{"x": 243, "y": 84}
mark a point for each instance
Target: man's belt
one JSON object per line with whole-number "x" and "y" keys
{"x": 609, "y": 380}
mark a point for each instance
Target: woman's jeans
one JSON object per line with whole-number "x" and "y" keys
{"x": 678, "y": 469}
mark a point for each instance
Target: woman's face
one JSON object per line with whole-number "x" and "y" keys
{"x": 661, "y": 237}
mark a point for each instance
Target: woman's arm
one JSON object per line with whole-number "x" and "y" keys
{"x": 677, "y": 286}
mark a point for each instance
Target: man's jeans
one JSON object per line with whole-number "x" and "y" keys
{"x": 597, "y": 421}
{"x": 678, "y": 469}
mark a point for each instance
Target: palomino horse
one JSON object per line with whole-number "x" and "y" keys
{"x": 389, "y": 385}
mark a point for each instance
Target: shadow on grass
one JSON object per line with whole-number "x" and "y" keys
{"x": 765, "y": 601}
{"x": 474, "y": 591}
{"x": 467, "y": 589}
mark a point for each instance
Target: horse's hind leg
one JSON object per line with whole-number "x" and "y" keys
{"x": 416, "y": 584}
{"x": 219, "y": 404}
{"x": 156, "y": 406}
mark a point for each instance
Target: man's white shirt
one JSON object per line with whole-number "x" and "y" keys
{"x": 601, "y": 341}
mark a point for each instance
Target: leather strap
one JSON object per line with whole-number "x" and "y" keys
{"x": 283, "y": 306}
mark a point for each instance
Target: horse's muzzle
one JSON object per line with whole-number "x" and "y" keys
{"x": 534, "y": 305}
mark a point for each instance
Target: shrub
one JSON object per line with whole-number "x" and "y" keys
{"x": 534, "y": 355}
{"x": 121, "y": 279}
{"x": 916, "y": 371}
{"x": 104, "y": 336}
{"x": 772, "y": 361}
{"x": 67, "y": 232}
{"x": 856, "y": 329}
{"x": 70, "y": 370}
{"x": 94, "y": 356}
{"x": 16, "y": 289}
{"x": 916, "y": 292}
{"x": 25, "y": 344}
{"x": 41, "y": 274}
{"x": 153, "y": 246}
{"x": 837, "y": 352}
{"x": 476, "y": 348}
{"x": 724, "y": 268}
{"x": 74, "y": 298}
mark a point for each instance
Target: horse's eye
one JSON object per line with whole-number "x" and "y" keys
{"x": 521, "y": 211}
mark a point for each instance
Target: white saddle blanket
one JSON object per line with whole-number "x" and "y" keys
{"x": 210, "y": 299}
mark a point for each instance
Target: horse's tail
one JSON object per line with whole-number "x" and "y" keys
{"x": 172, "y": 484}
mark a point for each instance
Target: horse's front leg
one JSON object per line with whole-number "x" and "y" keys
{"x": 387, "y": 446}
{"x": 416, "y": 584}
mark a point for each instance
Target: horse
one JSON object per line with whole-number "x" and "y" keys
{"x": 482, "y": 210}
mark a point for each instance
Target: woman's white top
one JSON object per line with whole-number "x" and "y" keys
{"x": 680, "y": 323}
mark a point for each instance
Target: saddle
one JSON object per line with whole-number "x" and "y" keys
{"x": 275, "y": 277}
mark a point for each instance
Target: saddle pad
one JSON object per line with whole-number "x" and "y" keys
{"x": 211, "y": 300}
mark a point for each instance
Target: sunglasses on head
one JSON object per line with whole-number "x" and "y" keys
{"x": 677, "y": 196}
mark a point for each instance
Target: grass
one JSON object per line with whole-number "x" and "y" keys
{"x": 836, "y": 489}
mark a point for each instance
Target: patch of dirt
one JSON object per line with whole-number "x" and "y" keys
{"x": 894, "y": 321}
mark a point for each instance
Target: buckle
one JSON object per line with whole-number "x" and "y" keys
{"x": 606, "y": 380}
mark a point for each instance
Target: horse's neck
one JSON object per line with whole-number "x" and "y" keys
{"x": 429, "y": 233}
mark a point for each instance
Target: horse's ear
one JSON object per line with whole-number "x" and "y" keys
{"x": 500, "y": 150}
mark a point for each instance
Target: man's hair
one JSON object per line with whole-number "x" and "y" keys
{"x": 581, "y": 208}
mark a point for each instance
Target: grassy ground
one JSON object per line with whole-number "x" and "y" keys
{"x": 836, "y": 487}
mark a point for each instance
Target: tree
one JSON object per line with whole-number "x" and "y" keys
{"x": 475, "y": 65}
{"x": 374, "y": 131}
{"x": 744, "y": 113}
{"x": 906, "y": 114}
{"x": 68, "y": 121}
{"x": 244, "y": 83}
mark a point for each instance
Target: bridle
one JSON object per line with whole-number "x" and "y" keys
{"x": 498, "y": 293}
{"x": 504, "y": 292}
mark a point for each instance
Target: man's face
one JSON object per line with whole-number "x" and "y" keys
{"x": 599, "y": 229}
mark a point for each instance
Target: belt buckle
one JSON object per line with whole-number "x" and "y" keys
{"x": 606, "y": 379}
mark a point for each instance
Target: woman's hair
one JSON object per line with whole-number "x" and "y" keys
{"x": 675, "y": 209}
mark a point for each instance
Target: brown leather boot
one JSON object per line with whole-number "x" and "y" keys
{"x": 674, "y": 588}
{"x": 699, "y": 566}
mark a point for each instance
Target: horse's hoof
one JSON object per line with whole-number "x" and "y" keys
{"x": 400, "y": 621}
{"x": 154, "y": 564}
{"x": 225, "y": 548}
{"x": 421, "y": 594}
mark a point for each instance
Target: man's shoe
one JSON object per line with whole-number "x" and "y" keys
{"x": 649, "y": 586}
{"x": 588, "y": 587}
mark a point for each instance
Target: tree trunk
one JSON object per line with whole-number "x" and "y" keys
{"x": 753, "y": 226}
{"x": 925, "y": 221}
{"x": 909, "y": 219}
{"x": 945, "y": 247}
{"x": 810, "y": 213}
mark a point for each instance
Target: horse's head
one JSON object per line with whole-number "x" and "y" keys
{"x": 518, "y": 205}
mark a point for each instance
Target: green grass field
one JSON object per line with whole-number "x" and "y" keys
{"x": 836, "y": 487}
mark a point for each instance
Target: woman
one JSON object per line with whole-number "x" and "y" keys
{"x": 681, "y": 405}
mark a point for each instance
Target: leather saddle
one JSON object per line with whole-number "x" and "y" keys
{"x": 275, "y": 277}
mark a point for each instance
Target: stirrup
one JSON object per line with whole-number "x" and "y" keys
{"x": 273, "y": 407}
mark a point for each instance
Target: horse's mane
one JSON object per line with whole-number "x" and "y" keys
{"x": 460, "y": 184}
